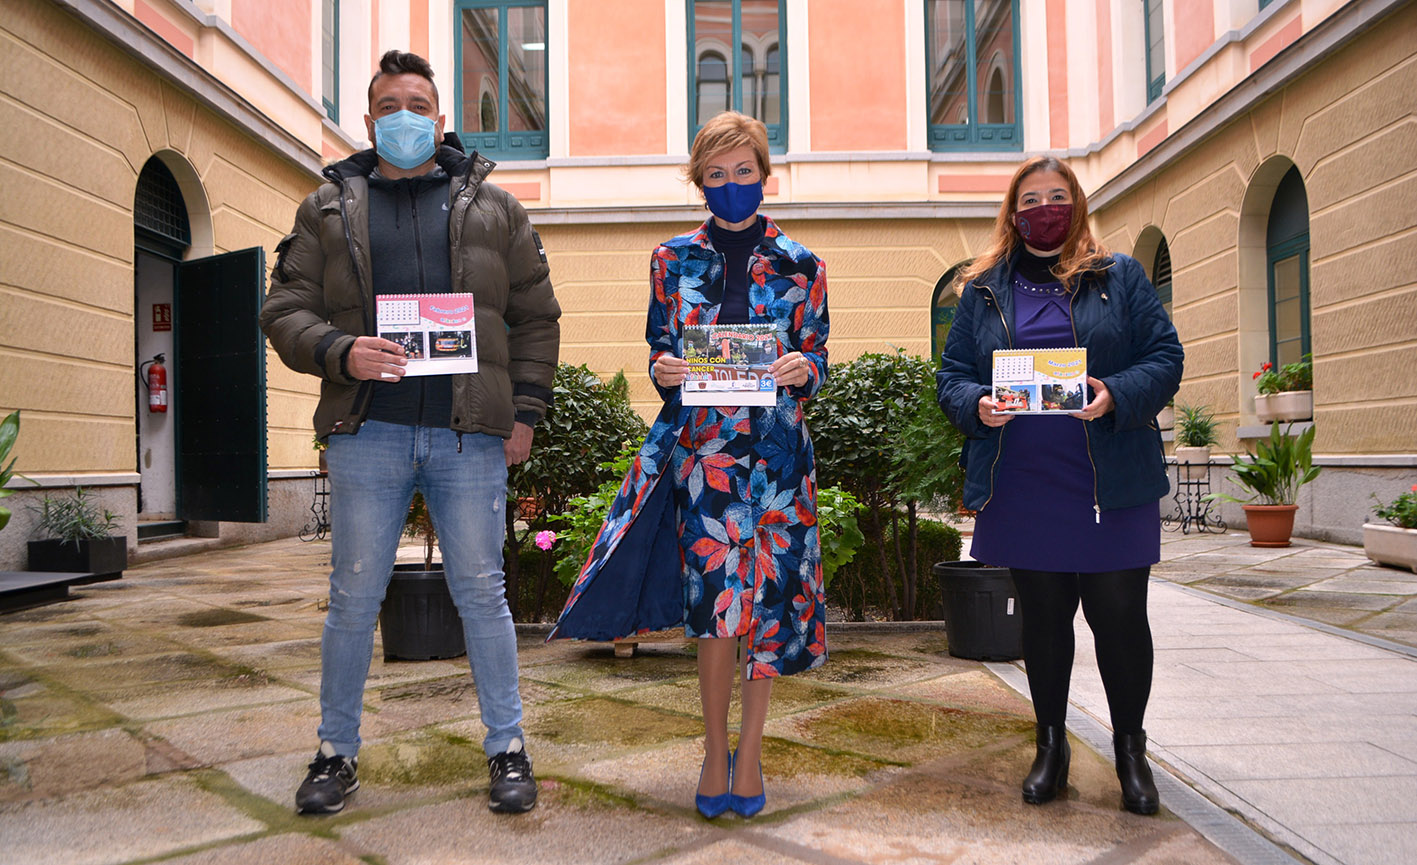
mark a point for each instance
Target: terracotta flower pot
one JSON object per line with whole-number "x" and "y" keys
{"x": 1270, "y": 525}
{"x": 1287, "y": 405}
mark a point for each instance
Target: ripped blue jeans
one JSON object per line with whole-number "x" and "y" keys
{"x": 373, "y": 475}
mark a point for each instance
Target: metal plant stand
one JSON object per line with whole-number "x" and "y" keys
{"x": 1192, "y": 509}
{"x": 319, "y": 525}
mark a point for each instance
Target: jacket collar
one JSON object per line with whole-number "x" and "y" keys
{"x": 697, "y": 244}
{"x": 463, "y": 169}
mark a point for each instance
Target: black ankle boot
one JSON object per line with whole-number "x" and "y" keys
{"x": 1138, "y": 788}
{"x": 1049, "y": 775}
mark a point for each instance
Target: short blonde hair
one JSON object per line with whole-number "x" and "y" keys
{"x": 726, "y": 131}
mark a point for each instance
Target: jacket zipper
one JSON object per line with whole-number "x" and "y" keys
{"x": 1087, "y": 436}
{"x": 422, "y": 289}
{"x": 1009, "y": 340}
{"x": 366, "y": 391}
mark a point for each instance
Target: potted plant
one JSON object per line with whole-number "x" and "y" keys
{"x": 1285, "y": 394}
{"x": 1394, "y": 544}
{"x": 418, "y": 618}
{"x": 1195, "y": 435}
{"x": 78, "y": 538}
{"x": 9, "y": 431}
{"x": 1166, "y": 418}
{"x": 1281, "y": 465}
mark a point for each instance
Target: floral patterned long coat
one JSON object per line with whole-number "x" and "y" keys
{"x": 727, "y": 544}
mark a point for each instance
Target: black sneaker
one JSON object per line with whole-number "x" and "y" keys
{"x": 330, "y": 780}
{"x": 513, "y": 786}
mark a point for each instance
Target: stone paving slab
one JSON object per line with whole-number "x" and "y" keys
{"x": 120, "y": 824}
{"x": 892, "y": 752}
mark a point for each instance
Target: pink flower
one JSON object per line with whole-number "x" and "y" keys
{"x": 544, "y": 540}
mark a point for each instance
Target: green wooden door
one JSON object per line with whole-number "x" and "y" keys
{"x": 219, "y": 379}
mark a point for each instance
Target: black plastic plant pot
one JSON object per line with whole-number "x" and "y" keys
{"x": 981, "y": 611}
{"x": 103, "y": 558}
{"x": 418, "y": 618}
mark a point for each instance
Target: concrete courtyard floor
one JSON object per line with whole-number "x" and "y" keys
{"x": 169, "y": 717}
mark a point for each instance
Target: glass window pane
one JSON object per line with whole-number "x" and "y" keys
{"x": 712, "y": 86}
{"x": 1156, "y": 51}
{"x": 526, "y": 68}
{"x": 480, "y": 75}
{"x": 328, "y": 22}
{"x": 994, "y": 50}
{"x": 713, "y": 46}
{"x": 760, "y": 25}
{"x": 772, "y": 88}
{"x": 949, "y": 87}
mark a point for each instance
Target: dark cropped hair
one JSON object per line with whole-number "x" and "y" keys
{"x": 395, "y": 62}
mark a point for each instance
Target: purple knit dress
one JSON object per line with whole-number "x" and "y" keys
{"x": 1041, "y": 516}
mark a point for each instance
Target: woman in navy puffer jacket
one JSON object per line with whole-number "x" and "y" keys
{"x": 1068, "y": 503}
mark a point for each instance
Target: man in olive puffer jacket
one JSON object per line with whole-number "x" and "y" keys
{"x": 410, "y": 217}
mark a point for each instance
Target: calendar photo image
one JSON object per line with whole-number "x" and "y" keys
{"x": 436, "y": 331}
{"x": 729, "y": 364}
{"x": 1044, "y": 381}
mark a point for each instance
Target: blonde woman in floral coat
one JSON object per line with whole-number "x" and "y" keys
{"x": 715, "y": 526}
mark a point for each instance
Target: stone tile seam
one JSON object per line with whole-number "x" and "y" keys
{"x": 1323, "y": 627}
{"x": 1213, "y": 823}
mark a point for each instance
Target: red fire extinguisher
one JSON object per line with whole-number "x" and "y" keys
{"x": 155, "y": 380}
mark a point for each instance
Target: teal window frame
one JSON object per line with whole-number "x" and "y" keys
{"x": 1264, "y": 3}
{"x": 330, "y": 99}
{"x": 502, "y": 144}
{"x": 1273, "y": 255}
{"x": 1154, "y": 85}
{"x": 777, "y": 132}
{"x": 974, "y": 135}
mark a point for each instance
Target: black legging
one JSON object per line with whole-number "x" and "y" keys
{"x": 1114, "y": 604}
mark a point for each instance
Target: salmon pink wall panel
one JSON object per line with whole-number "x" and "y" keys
{"x": 1105, "y": 116}
{"x": 857, "y": 62}
{"x": 1195, "y": 31}
{"x": 617, "y": 99}
{"x": 280, "y": 30}
{"x": 164, "y": 28}
{"x": 1057, "y": 74}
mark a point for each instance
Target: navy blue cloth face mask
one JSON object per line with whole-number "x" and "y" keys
{"x": 734, "y": 202}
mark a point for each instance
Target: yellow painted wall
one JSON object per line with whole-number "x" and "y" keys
{"x": 82, "y": 119}
{"x": 1351, "y": 129}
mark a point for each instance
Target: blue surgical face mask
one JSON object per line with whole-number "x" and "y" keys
{"x": 405, "y": 139}
{"x": 734, "y": 202}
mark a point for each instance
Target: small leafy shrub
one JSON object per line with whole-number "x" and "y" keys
{"x": 73, "y": 518}
{"x": 837, "y": 530}
{"x": 9, "y": 431}
{"x": 1401, "y": 512}
{"x": 1195, "y": 427}
{"x": 577, "y": 527}
{"x": 860, "y": 590}
{"x": 1292, "y": 376}
{"x": 1280, "y": 465}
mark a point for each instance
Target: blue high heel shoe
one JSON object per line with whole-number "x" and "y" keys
{"x": 712, "y": 806}
{"x": 747, "y": 806}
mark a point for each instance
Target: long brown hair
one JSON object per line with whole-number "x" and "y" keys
{"x": 1081, "y": 252}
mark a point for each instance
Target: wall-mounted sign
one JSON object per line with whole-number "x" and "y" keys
{"x": 162, "y": 316}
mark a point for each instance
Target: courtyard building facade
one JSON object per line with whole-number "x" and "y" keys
{"x": 1258, "y": 157}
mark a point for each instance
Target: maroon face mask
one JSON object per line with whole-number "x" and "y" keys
{"x": 1044, "y": 227}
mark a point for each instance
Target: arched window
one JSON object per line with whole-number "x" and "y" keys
{"x": 487, "y": 113}
{"x": 1161, "y": 275}
{"x": 942, "y": 310}
{"x": 772, "y": 86}
{"x": 1287, "y": 270}
{"x": 712, "y": 85}
{"x": 994, "y": 98}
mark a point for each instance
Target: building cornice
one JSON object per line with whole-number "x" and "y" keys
{"x": 135, "y": 39}
{"x": 1345, "y": 24}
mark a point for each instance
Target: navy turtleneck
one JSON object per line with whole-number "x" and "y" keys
{"x": 737, "y": 249}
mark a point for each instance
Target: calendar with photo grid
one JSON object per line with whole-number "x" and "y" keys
{"x": 729, "y": 364}
{"x": 437, "y": 331}
{"x": 1040, "y": 381}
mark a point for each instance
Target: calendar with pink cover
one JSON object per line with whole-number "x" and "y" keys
{"x": 436, "y": 331}
{"x": 1040, "y": 380}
